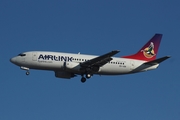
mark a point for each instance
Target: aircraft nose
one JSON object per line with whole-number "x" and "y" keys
{"x": 13, "y": 60}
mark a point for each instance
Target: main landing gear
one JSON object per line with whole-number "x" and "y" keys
{"x": 83, "y": 79}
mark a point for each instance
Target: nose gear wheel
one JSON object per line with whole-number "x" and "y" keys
{"x": 27, "y": 73}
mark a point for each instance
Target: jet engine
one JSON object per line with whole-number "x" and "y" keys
{"x": 67, "y": 75}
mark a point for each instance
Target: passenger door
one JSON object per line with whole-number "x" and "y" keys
{"x": 34, "y": 56}
{"x": 132, "y": 64}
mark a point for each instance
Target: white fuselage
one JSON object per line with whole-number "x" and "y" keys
{"x": 58, "y": 61}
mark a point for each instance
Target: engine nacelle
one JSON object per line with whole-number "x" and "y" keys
{"x": 95, "y": 69}
{"x": 72, "y": 66}
{"x": 60, "y": 74}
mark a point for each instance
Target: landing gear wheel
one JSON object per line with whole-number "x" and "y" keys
{"x": 83, "y": 79}
{"x": 27, "y": 73}
{"x": 88, "y": 76}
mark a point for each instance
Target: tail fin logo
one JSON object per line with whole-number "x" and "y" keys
{"x": 149, "y": 51}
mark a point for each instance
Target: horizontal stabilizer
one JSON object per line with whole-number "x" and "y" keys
{"x": 157, "y": 61}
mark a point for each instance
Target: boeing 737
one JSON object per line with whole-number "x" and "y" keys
{"x": 69, "y": 65}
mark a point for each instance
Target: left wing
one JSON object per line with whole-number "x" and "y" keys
{"x": 99, "y": 61}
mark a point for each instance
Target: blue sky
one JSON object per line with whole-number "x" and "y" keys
{"x": 90, "y": 27}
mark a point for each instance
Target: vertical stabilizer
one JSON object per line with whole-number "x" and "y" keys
{"x": 149, "y": 51}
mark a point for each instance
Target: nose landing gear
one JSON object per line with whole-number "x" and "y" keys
{"x": 27, "y": 73}
{"x": 25, "y": 68}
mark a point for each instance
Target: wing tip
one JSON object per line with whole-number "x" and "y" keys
{"x": 116, "y": 51}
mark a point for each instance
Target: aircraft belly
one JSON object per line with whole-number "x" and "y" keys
{"x": 114, "y": 70}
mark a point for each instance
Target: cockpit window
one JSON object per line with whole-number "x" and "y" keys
{"x": 21, "y": 54}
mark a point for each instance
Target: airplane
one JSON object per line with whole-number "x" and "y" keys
{"x": 69, "y": 65}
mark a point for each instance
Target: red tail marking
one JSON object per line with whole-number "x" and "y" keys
{"x": 149, "y": 51}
